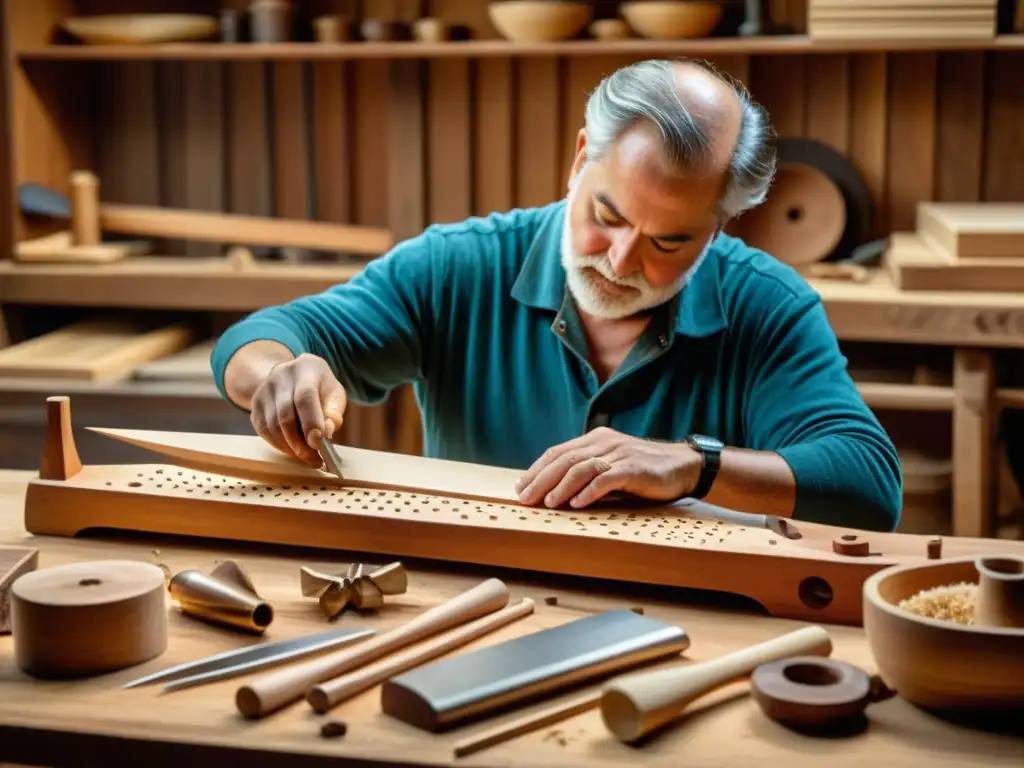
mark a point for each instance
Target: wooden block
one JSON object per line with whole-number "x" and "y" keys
{"x": 192, "y": 364}
{"x": 974, "y": 230}
{"x": 58, "y": 247}
{"x": 14, "y": 561}
{"x": 445, "y": 693}
{"x": 92, "y": 351}
{"x": 928, "y": 5}
{"x": 916, "y": 265}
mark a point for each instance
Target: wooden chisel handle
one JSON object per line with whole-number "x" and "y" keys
{"x": 269, "y": 693}
{"x": 326, "y": 695}
{"x": 634, "y": 705}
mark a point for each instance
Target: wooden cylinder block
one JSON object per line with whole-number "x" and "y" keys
{"x": 90, "y": 618}
{"x": 85, "y": 208}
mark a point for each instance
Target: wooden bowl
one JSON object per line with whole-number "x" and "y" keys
{"x": 135, "y": 28}
{"x": 537, "y": 21}
{"x": 609, "y": 29}
{"x": 666, "y": 20}
{"x": 937, "y": 664}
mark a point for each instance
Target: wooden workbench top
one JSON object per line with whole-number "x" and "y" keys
{"x": 47, "y": 723}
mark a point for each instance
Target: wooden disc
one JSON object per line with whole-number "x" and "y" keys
{"x": 88, "y": 618}
{"x": 809, "y": 691}
{"x": 801, "y": 221}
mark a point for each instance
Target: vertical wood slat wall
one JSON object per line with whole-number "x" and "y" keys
{"x": 317, "y": 139}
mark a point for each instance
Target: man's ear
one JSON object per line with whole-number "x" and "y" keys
{"x": 581, "y": 156}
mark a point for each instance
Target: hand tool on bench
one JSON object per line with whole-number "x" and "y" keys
{"x": 250, "y": 658}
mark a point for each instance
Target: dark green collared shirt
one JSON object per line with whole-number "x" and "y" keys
{"x": 477, "y": 317}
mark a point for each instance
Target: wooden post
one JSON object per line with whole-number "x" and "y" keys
{"x": 60, "y": 455}
{"x": 407, "y": 209}
{"x": 974, "y": 408}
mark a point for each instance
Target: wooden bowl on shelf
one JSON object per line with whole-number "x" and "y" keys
{"x": 141, "y": 28}
{"x": 939, "y": 664}
{"x": 664, "y": 20}
{"x": 539, "y": 21}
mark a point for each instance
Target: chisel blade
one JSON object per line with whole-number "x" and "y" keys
{"x": 258, "y": 656}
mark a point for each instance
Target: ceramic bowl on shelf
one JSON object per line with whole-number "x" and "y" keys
{"x": 936, "y": 663}
{"x": 539, "y": 21}
{"x": 665, "y": 20}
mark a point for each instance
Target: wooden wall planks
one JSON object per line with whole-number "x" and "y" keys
{"x": 315, "y": 140}
{"x": 331, "y": 140}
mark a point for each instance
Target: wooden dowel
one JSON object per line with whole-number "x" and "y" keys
{"x": 527, "y": 724}
{"x": 85, "y": 203}
{"x": 244, "y": 230}
{"x": 269, "y": 693}
{"x": 328, "y": 694}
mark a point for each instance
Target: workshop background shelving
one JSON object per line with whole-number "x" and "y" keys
{"x": 400, "y": 135}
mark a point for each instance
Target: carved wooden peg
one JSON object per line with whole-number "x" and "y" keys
{"x": 363, "y": 586}
{"x": 852, "y": 545}
{"x": 60, "y": 455}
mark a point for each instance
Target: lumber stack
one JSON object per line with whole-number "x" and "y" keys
{"x": 891, "y": 19}
{"x": 960, "y": 247}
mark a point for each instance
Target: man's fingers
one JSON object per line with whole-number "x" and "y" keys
{"x": 264, "y": 422}
{"x": 309, "y": 411}
{"x": 291, "y": 429}
{"x": 575, "y": 479}
{"x": 556, "y": 453}
{"x": 335, "y": 401}
{"x": 616, "y": 478}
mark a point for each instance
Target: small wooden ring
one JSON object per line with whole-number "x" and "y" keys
{"x": 811, "y": 691}
{"x": 852, "y": 545}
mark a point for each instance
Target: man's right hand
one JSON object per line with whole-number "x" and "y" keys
{"x": 298, "y": 402}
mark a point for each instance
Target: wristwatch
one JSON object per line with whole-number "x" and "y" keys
{"x": 710, "y": 449}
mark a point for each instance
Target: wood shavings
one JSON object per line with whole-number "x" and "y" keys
{"x": 954, "y": 603}
{"x": 161, "y": 565}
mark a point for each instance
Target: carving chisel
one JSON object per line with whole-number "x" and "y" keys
{"x": 330, "y": 456}
{"x": 253, "y": 657}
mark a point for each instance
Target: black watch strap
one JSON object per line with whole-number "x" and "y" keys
{"x": 710, "y": 450}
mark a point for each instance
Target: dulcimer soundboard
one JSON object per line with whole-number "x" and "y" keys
{"x": 238, "y": 487}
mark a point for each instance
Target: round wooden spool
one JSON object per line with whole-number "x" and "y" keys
{"x": 801, "y": 221}
{"x": 88, "y": 618}
{"x": 812, "y": 692}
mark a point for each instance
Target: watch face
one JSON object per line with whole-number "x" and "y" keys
{"x": 708, "y": 443}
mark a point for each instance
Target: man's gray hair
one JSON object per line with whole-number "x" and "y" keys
{"x": 647, "y": 91}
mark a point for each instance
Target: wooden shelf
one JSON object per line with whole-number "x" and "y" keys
{"x": 871, "y": 311}
{"x": 785, "y": 44}
{"x": 167, "y": 282}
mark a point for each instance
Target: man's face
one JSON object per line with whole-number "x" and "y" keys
{"x": 633, "y": 234}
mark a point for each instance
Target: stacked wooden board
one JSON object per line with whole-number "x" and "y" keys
{"x": 101, "y": 350}
{"x": 960, "y": 247}
{"x": 890, "y": 19}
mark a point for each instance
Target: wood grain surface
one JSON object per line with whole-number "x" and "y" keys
{"x": 96, "y": 718}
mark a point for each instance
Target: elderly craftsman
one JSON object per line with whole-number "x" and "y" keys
{"x": 613, "y": 341}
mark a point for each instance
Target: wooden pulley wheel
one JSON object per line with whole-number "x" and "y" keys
{"x": 801, "y": 221}
{"x": 812, "y": 692}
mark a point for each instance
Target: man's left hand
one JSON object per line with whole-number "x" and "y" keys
{"x": 583, "y": 470}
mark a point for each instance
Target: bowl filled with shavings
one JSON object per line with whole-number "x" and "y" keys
{"x": 922, "y": 626}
